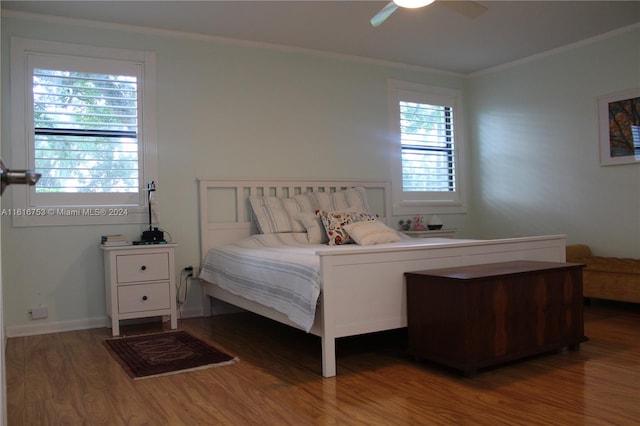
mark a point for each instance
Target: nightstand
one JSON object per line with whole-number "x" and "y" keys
{"x": 436, "y": 233}
{"x": 140, "y": 281}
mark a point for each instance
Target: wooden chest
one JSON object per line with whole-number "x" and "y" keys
{"x": 482, "y": 315}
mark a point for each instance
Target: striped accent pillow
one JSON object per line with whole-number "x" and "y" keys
{"x": 276, "y": 214}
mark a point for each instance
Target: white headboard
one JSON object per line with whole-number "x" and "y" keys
{"x": 225, "y": 213}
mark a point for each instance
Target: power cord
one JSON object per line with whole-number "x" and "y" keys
{"x": 185, "y": 274}
{"x": 168, "y": 238}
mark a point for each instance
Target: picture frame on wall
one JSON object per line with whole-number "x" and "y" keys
{"x": 619, "y": 123}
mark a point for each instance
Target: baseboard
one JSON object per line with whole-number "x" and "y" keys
{"x": 84, "y": 324}
{"x": 54, "y": 327}
{"x": 189, "y": 313}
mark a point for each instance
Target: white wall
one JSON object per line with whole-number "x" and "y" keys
{"x": 534, "y": 144}
{"x": 230, "y": 110}
{"x": 224, "y": 110}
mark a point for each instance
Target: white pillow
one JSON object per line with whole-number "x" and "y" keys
{"x": 279, "y": 214}
{"x": 352, "y": 198}
{"x": 371, "y": 232}
{"x": 334, "y": 224}
{"x": 274, "y": 214}
{"x": 315, "y": 229}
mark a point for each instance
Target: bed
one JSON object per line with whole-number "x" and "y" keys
{"x": 361, "y": 288}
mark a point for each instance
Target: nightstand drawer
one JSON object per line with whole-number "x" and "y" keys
{"x": 143, "y": 297}
{"x": 133, "y": 268}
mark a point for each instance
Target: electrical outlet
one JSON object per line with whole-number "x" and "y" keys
{"x": 190, "y": 270}
{"x": 39, "y": 312}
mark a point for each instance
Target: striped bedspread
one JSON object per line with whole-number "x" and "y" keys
{"x": 280, "y": 271}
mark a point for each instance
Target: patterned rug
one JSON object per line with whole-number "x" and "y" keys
{"x": 160, "y": 354}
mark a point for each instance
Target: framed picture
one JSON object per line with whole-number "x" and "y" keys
{"x": 619, "y": 116}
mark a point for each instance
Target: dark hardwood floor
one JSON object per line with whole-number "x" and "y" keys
{"x": 70, "y": 379}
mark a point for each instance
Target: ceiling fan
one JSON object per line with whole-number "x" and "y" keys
{"x": 470, "y": 9}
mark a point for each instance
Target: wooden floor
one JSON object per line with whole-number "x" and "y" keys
{"x": 70, "y": 379}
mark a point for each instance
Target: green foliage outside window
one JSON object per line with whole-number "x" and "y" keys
{"x": 86, "y": 131}
{"x": 427, "y": 147}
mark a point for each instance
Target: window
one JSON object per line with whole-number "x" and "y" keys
{"x": 426, "y": 171}
{"x": 85, "y": 132}
{"x": 426, "y": 139}
{"x": 88, "y": 127}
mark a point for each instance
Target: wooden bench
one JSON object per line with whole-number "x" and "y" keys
{"x": 610, "y": 278}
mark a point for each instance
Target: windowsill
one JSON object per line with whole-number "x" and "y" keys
{"x": 418, "y": 208}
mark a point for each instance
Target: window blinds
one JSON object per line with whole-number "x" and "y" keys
{"x": 428, "y": 155}
{"x": 85, "y": 131}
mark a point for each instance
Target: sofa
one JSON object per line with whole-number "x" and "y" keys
{"x": 610, "y": 278}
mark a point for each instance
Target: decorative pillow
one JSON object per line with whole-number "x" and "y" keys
{"x": 315, "y": 229}
{"x": 274, "y": 214}
{"x": 352, "y": 198}
{"x": 334, "y": 223}
{"x": 371, "y": 232}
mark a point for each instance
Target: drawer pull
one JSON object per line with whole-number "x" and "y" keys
{"x": 144, "y": 297}
{"x": 144, "y": 268}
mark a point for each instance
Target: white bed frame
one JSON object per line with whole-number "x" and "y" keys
{"x": 362, "y": 290}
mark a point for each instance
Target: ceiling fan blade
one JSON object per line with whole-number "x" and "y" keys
{"x": 381, "y": 16}
{"x": 470, "y": 9}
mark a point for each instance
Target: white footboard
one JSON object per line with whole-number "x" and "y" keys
{"x": 364, "y": 291}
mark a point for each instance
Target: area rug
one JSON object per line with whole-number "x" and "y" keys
{"x": 160, "y": 354}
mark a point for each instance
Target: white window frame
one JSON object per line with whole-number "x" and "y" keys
{"x": 426, "y": 202}
{"x": 28, "y": 209}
